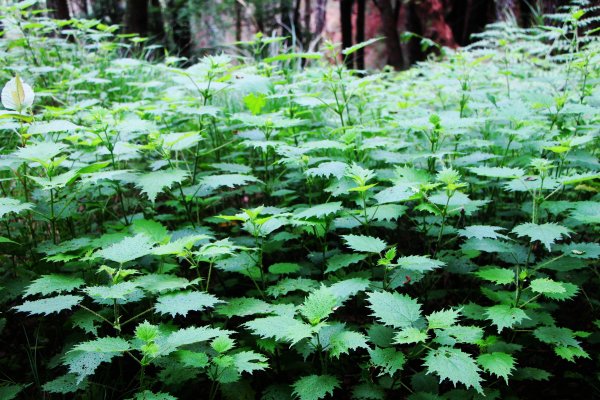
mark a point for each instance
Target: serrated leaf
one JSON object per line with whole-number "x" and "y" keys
{"x": 394, "y": 309}
{"x": 49, "y": 305}
{"x": 153, "y": 183}
{"x": 121, "y": 290}
{"x": 282, "y": 328}
{"x": 148, "y": 395}
{"x": 315, "y": 387}
{"x": 53, "y": 283}
{"x": 103, "y": 345}
{"x": 418, "y": 263}
{"x": 249, "y": 361}
{"x": 482, "y": 232}
{"x": 546, "y": 285}
{"x": 318, "y": 305}
{"x": 497, "y": 363}
{"x": 320, "y": 210}
{"x": 84, "y": 363}
{"x": 442, "y": 319}
{"x": 505, "y": 316}
{"x": 498, "y": 172}
{"x": 327, "y": 169}
{"x": 343, "y": 341}
{"x": 410, "y": 335}
{"x": 500, "y": 276}
{"x": 244, "y": 306}
{"x": 546, "y": 233}
{"x": 128, "y": 249}
{"x": 389, "y": 360}
{"x": 454, "y": 365}
{"x": 9, "y": 205}
{"x": 187, "y": 336}
{"x": 184, "y": 302}
{"x": 340, "y": 261}
{"x": 366, "y": 244}
{"x": 228, "y": 180}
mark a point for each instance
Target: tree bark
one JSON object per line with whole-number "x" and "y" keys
{"x": 392, "y": 40}
{"x": 136, "y": 17}
{"x": 320, "y": 17}
{"x": 361, "y": 9}
{"x": 61, "y": 9}
{"x": 346, "y": 23}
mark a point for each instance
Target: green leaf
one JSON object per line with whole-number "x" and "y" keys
{"x": 500, "y": 276}
{"x": 284, "y": 268}
{"x": 442, "y": 319}
{"x": 157, "y": 283}
{"x": 228, "y": 180}
{"x": 104, "y": 345}
{"x": 343, "y": 341}
{"x": 320, "y": 210}
{"x": 498, "y": 172}
{"x": 419, "y": 263}
{"x": 244, "y": 306}
{"x": 56, "y": 125}
{"x": 53, "y": 283}
{"x": 128, "y": 249}
{"x": 184, "y": 302}
{"x": 49, "y": 305}
{"x": 153, "y": 183}
{"x": 482, "y": 232}
{"x": 153, "y": 229}
{"x": 249, "y": 361}
{"x": 556, "y": 336}
{"x": 454, "y": 365}
{"x": 192, "y": 359}
{"x": 388, "y": 360}
{"x": 366, "y": 244}
{"x": 282, "y": 328}
{"x": 340, "y": 261}
{"x": 545, "y": 285}
{"x": 9, "y": 392}
{"x": 546, "y": 233}
{"x": 63, "y": 384}
{"x": 315, "y": 387}
{"x": 505, "y": 316}
{"x": 327, "y": 169}
{"x": 121, "y": 290}
{"x": 8, "y": 205}
{"x": 187, "y": 336}
{"x": 353, "y": 49}
{"x": 410, "y": 335}
{"x": 318, "y": 305}
{"x": 42, "y": 152}
{"x": 84, "y": 363}
{"x": 148, "y": 395}
{"x": 394, "y": 309}
{"x": 497, "y": 363}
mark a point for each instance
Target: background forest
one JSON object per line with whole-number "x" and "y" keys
{"x": 192, "y": 28}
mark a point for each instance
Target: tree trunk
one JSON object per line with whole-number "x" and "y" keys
{"x": 238, "y": 21}
{"x": 361, "y": 6}
{"x": 136, "y": 17}
{"x": 433, "y": 22}
{"x": 320, "y": 17}
{"x": 392, "y": 40}
{"x": 507, "y": 10}
{"x": 61, "y": 9}
{"x": 346, "y": 23}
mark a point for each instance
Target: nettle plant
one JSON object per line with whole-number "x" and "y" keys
{"x": 280, "y": 227}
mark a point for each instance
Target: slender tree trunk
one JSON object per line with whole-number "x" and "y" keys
{"x": 392, "y": 39}
{"x": 136, "y": 16}
{"x": 238, "y": 21}
{"x": 506, "y": 10}
{"x": 346, "y": 23}
{"x": 61, "y": 9}
{"x": 361, "y": 9}
{"x": 320, "y": 17}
